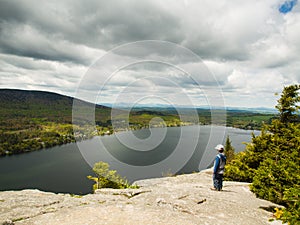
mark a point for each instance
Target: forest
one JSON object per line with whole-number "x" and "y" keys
{"x": 271, "y": 162}
{"x": 33, "y": 120}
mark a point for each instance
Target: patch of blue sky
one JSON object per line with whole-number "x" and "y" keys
{"x": 287, "y": 6}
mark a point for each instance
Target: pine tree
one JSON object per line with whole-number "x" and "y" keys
{"x": 288, "y": 104}
{"x": 106, "y": 178}
{"x": 272, "y": 161}
{"x": 229, "y": 150}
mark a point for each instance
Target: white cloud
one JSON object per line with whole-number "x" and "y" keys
{"x": 266, "y": 81}
{"x": 251, "y": 48}
{"x": 27, "y": 73}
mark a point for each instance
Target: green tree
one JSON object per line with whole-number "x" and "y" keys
{"x": 106, "y": 178}
{"x": 292, "y": 213}
{"x": 288, "y": 104}
{"x": 229, "y": 150}
{"x": 272, "y": 160}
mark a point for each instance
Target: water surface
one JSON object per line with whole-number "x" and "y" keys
{"x": 63, "y": 168}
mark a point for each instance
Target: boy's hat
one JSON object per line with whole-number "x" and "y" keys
{"x": 219, "y": 147}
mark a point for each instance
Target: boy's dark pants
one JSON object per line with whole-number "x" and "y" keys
{"x": 218, "y": 181}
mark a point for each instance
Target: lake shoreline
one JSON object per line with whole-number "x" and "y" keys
{"x": 8, "y": 154}
{"x": 64, "y": 168}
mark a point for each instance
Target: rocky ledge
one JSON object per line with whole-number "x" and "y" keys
{"x": 184, "y": 199}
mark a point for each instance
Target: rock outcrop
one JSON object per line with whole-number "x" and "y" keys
{"x": 184, "y": 199}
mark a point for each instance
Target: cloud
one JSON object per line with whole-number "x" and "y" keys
{"x": 24, "y": 40}
{"x": 60, "y": 30}
{"x": 248, "y": 81}
{"x": 211, "y": 30}
{"x": 28, "y": 73}
{"x": 252, "y": 48}
{"x": 225, "y": 30}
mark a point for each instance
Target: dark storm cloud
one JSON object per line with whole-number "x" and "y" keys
{"x": 57, "y": 30}
{"x": 12, "y": 11}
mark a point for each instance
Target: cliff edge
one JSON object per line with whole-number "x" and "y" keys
{"x": 184, "y": 199}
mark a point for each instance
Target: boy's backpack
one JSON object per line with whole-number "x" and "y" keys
{"x": 222, "y": 164}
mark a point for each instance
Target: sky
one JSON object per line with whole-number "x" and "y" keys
{"x": 250, "y": 48}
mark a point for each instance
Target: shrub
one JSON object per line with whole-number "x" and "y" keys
{"x": 106, "y": 178}
{"x": 229, "y": 150}
{"x": 238, "y": 170}
{"x": 272, "y": 161}
{"x": 292, "y": 213}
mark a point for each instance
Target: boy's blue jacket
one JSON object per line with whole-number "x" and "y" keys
{"x": 219, "y": 164}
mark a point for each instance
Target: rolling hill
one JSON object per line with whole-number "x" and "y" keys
{"x": 32, "y": 120}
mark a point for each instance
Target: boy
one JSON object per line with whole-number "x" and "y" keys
{"x": 218, "y": 169}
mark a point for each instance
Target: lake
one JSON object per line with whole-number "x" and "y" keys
{"x": 137, "y": 155}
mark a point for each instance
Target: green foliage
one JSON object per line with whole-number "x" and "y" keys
{"x": 32, "y": 120}
{"x": 106, "y": 178}
{"x": 288, "y": 104}
{"x": 272, "y": 161}
{"x": 273, "y": 177}
{"x": 229, "y": 150}
{"x": 247, "y": 120}
{"x": 244, "y": 164}
{"x": 238, "y": 170}
{"x": 292, "y": 213}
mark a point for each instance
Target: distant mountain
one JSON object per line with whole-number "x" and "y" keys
{"x": 157, "y": 107}
{"x": 263, "y": 110}
{"x": 47, "y": 104}
{"x": 38, "y": 104}
{"x": 25, "y": 99}
{"x": 32, "y": 120}
{"x": 33, "y": 98}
